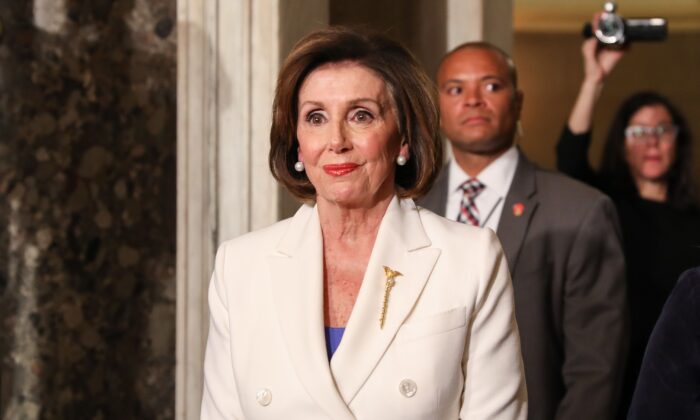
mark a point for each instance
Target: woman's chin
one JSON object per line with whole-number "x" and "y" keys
{"x": 352, "y": 199}
{"x": 654, "y": 174}
{"x": 348, "y": 201}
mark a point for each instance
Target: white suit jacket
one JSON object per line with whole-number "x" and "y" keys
{"x": 449, "y": 347}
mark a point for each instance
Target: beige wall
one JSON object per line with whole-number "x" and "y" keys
{"x": 550, "y": 73}
{"x": 418, "y": 24}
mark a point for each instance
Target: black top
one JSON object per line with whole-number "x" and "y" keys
{"x": 572, "y": 158}
{"x": 669, "y": 381}
{"x": 660, "y": 242}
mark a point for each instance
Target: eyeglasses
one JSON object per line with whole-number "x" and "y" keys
{"x": 642, "y": 134}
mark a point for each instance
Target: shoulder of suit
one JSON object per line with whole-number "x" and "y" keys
{"x": 565, "y": 187}
{"x": 689, "y": 283}
{"x": 268, "y": 235}
{"x": 684, "y": 300}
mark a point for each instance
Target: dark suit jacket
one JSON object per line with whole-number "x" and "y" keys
{"x": 565, "y": 257}
{"x": 669, "y": 381}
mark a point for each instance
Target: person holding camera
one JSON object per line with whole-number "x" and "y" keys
{"x": 646, "y": 170}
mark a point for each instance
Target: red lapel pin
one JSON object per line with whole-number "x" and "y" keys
{"x": 518, "y": 209}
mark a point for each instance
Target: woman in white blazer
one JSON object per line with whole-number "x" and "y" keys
{"x": 362, "y": 305}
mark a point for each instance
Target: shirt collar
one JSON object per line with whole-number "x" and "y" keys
{"x": 497, "y": 176}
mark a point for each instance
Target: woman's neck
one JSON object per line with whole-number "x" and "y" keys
{"x": 350, "y": 225}
{"x": 653, "y": 190}
{"x": 348, "y": 238}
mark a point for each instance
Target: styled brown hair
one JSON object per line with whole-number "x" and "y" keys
{"x": 413, "y": 97}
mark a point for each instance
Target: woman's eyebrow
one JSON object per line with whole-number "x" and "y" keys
{"x": 313, "y": 103}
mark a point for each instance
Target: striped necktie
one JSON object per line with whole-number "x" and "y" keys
{"x": 468, "y": 213}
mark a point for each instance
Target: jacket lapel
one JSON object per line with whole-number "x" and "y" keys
{"x": 297, "y": 287}
{"x": 519, "y": 207}
{"x": 401, "y": 245}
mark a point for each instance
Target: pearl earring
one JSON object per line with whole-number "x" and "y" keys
{"x": 401, "y": 160}
{"x": 299, "y": 166}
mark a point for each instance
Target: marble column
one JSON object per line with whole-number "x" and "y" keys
{"x": 87, "y": 179}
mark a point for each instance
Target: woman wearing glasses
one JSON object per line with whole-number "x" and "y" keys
{"x": 646, "y": 169}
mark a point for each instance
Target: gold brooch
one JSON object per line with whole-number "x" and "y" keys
{"x": 390, "y": 282}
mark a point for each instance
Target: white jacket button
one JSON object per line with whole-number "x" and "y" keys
{"x": 264, "y": 397}
{"x": 408, "y": 388}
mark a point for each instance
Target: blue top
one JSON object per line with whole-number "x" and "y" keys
{"x": 333, "y": 337}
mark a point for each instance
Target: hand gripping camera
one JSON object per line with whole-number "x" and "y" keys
{"x": 615, "y": 30}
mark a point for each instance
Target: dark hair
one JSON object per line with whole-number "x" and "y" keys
{"x": 615, "y": 168}
{"x": 412, "y": 92}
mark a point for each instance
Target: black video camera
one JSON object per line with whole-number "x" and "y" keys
{"x": 614, "y": 30}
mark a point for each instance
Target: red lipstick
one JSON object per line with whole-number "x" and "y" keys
{"x": 340, "y": 169}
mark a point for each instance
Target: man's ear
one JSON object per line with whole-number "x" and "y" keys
{"x": 519, "y": 98}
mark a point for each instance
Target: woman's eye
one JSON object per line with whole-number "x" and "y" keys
{"x": 454, "y": 90}
{"x": 315, "y": 118}
{"x": 362, "y": 116}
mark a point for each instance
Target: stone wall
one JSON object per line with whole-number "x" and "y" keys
{"x": 87, "y": 215}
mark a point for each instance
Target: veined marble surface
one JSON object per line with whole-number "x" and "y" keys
{"x": 87, "y": 215}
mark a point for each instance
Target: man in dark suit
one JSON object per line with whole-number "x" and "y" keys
{"x": 560, "y": 237}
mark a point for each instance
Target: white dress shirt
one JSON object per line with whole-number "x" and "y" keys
{"x": 496, "y": 178}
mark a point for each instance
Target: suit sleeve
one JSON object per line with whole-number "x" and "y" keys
{"x": 220, "y": 396}
{"x": 494, "y": 384}
{"x": 595, "y": 319}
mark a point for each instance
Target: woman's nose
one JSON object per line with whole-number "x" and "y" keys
{"x": 653, "y": 139}
{"x": 338, "y": 141}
